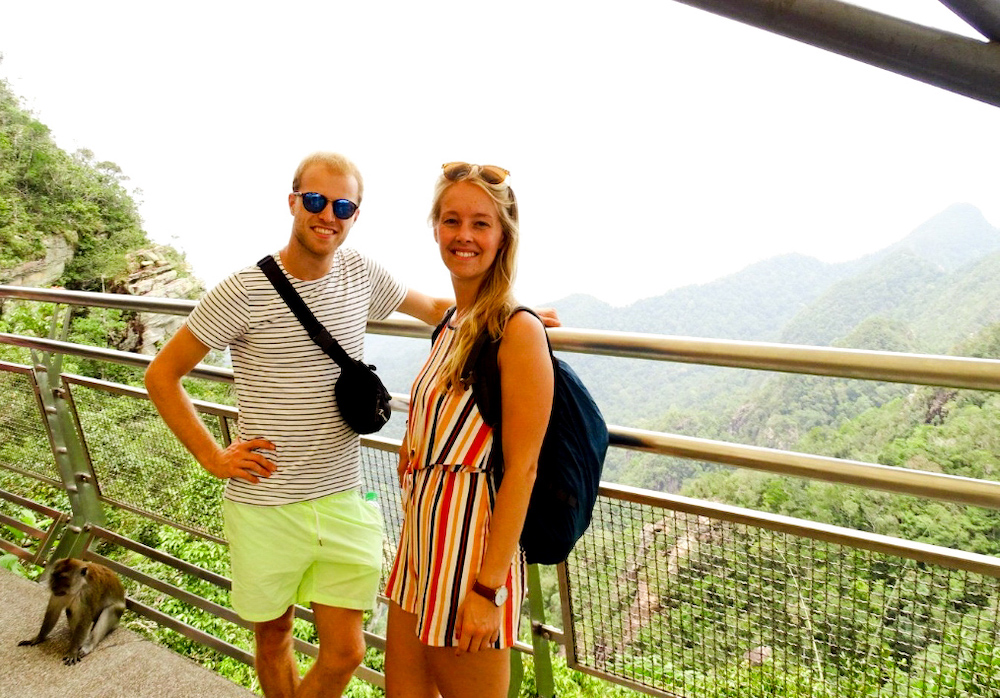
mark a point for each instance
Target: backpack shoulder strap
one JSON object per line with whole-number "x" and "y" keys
{"x": 532, "y": 312}
{"x": 482, "y": 372}
{"x": 440, "y": 326}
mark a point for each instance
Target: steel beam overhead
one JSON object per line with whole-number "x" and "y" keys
{"x": 956, "y": 63}
{"x": 981, "y": 15}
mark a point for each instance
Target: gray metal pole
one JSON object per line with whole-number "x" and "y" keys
{"x": 981, "y": 15}
{"x": 956, "y": 63}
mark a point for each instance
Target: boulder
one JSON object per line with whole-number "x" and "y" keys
{"x": 42, "y": 272}
{"x": 151, "y": 273}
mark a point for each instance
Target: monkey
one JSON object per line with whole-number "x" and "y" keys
{"x": 93, "y": 599}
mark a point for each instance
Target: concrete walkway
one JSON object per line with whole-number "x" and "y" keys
{"x": 124, "y": 665}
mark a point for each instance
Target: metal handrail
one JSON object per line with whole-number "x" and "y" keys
{"x": 947, "y": 371}
{"x": 938, "y": 486}
{"x": 899, "y": 547}
{"x": 223, "y": 375}
{"x": 949, "y": 488}
{"x": 118, "y": 301}
{"x": 120, "y": 389}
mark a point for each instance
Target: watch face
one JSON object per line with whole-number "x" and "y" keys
{"x": 501, "y": 596}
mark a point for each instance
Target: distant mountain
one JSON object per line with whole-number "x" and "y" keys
{"x": 752, "y": 304}
{"x": 941, "y": 277}
{"x": 879, "y": 288}
{"x": 799, "y": 299}
{"x": 583, "y": 311}
{"x": 952, "y": 239}
{"x": 925, "y": 293}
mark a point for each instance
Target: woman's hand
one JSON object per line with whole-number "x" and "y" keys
{"x": 477, "y": 626}
{"x": 404, "y": 458}
{"x": 404, "y": 461}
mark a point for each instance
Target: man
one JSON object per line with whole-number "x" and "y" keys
{"x": 297, "y": 527}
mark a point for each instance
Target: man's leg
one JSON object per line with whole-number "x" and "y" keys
{"x": 276, "y": 668}
{"x": 341, "y": 650}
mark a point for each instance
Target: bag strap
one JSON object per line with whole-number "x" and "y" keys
{"x": 440, "y": 326}
{"x": 314, "y": 329}
{"x": 487, "y": 398}
{"x": 478, "y": 354}
{"x": 468, "y": 371}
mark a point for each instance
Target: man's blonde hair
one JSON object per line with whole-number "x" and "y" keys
{"x": 335, "y": 162}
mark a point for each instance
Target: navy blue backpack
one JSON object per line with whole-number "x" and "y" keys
{"x": 571, "y": 459}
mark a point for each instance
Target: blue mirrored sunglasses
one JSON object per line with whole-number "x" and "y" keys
{"x": 315, "y": 203}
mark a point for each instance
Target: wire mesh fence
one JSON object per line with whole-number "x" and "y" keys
{"x": 141, "y": 465}
{"x": 378, "y": 473}
{"x": 665, "y": 601}
{"x": 700, "y": 607}
{"x": 24, "y": 441}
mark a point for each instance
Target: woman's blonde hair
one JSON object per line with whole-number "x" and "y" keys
{"x": 495, "y": 301}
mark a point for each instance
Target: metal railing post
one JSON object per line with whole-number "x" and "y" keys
{"x": 544, "y": 681}
{"x": 516, "y": 674}
{"x": 67, "y": 448}
{"x": 569, "y": 627}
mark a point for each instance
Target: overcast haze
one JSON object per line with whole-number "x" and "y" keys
{"x": 651, "y": 145}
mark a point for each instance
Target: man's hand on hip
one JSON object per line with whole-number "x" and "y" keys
{"x": 241, "y": 460}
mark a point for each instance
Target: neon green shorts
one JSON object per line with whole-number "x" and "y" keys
{"x": 326, "y": 551}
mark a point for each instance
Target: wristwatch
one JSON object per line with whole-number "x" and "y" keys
{"x": 496, "y": 596}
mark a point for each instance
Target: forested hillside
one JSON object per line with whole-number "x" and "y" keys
{"x": 68, "y": 220}
{"x": 46, "y": 194}
{"x": 935, "y": 429}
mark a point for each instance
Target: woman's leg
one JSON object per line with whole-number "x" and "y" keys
{"x": 406, "y": 672}
{"x": 483, "y": 674}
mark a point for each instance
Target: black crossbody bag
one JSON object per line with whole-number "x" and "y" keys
{"x": 361, "y": 396}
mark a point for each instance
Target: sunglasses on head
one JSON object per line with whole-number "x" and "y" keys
{"x": 491, "y": 174}
{"x": 315, "y": 203}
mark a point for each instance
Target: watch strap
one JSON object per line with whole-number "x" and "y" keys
{"x": 485, "y": 591}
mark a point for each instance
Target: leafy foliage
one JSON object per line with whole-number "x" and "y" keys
{"x": 46, "y": 192}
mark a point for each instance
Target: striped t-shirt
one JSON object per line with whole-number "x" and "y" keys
{"x": 284, "y": 382}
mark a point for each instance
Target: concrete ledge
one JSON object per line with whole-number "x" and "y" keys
{"x": 124, "y": 665}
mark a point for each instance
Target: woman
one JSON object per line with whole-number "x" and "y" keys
{"x": 459, "y": 577}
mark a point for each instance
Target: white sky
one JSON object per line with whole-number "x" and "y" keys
{"x": 651, "y": 145}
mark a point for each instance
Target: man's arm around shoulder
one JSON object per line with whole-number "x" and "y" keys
{"x": 423, "y": 307}
{"x": 431, "y": 310}
{"x": 163, "y": 381}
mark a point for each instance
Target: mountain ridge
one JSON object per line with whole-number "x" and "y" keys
{"x": 956, "y": 236}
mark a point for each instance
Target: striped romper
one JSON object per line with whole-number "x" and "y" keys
{"x": 447, "y": 503}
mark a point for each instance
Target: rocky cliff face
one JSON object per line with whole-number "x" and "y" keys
{"x": 41, "y": 272}
{"x": 151, "y": 272}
